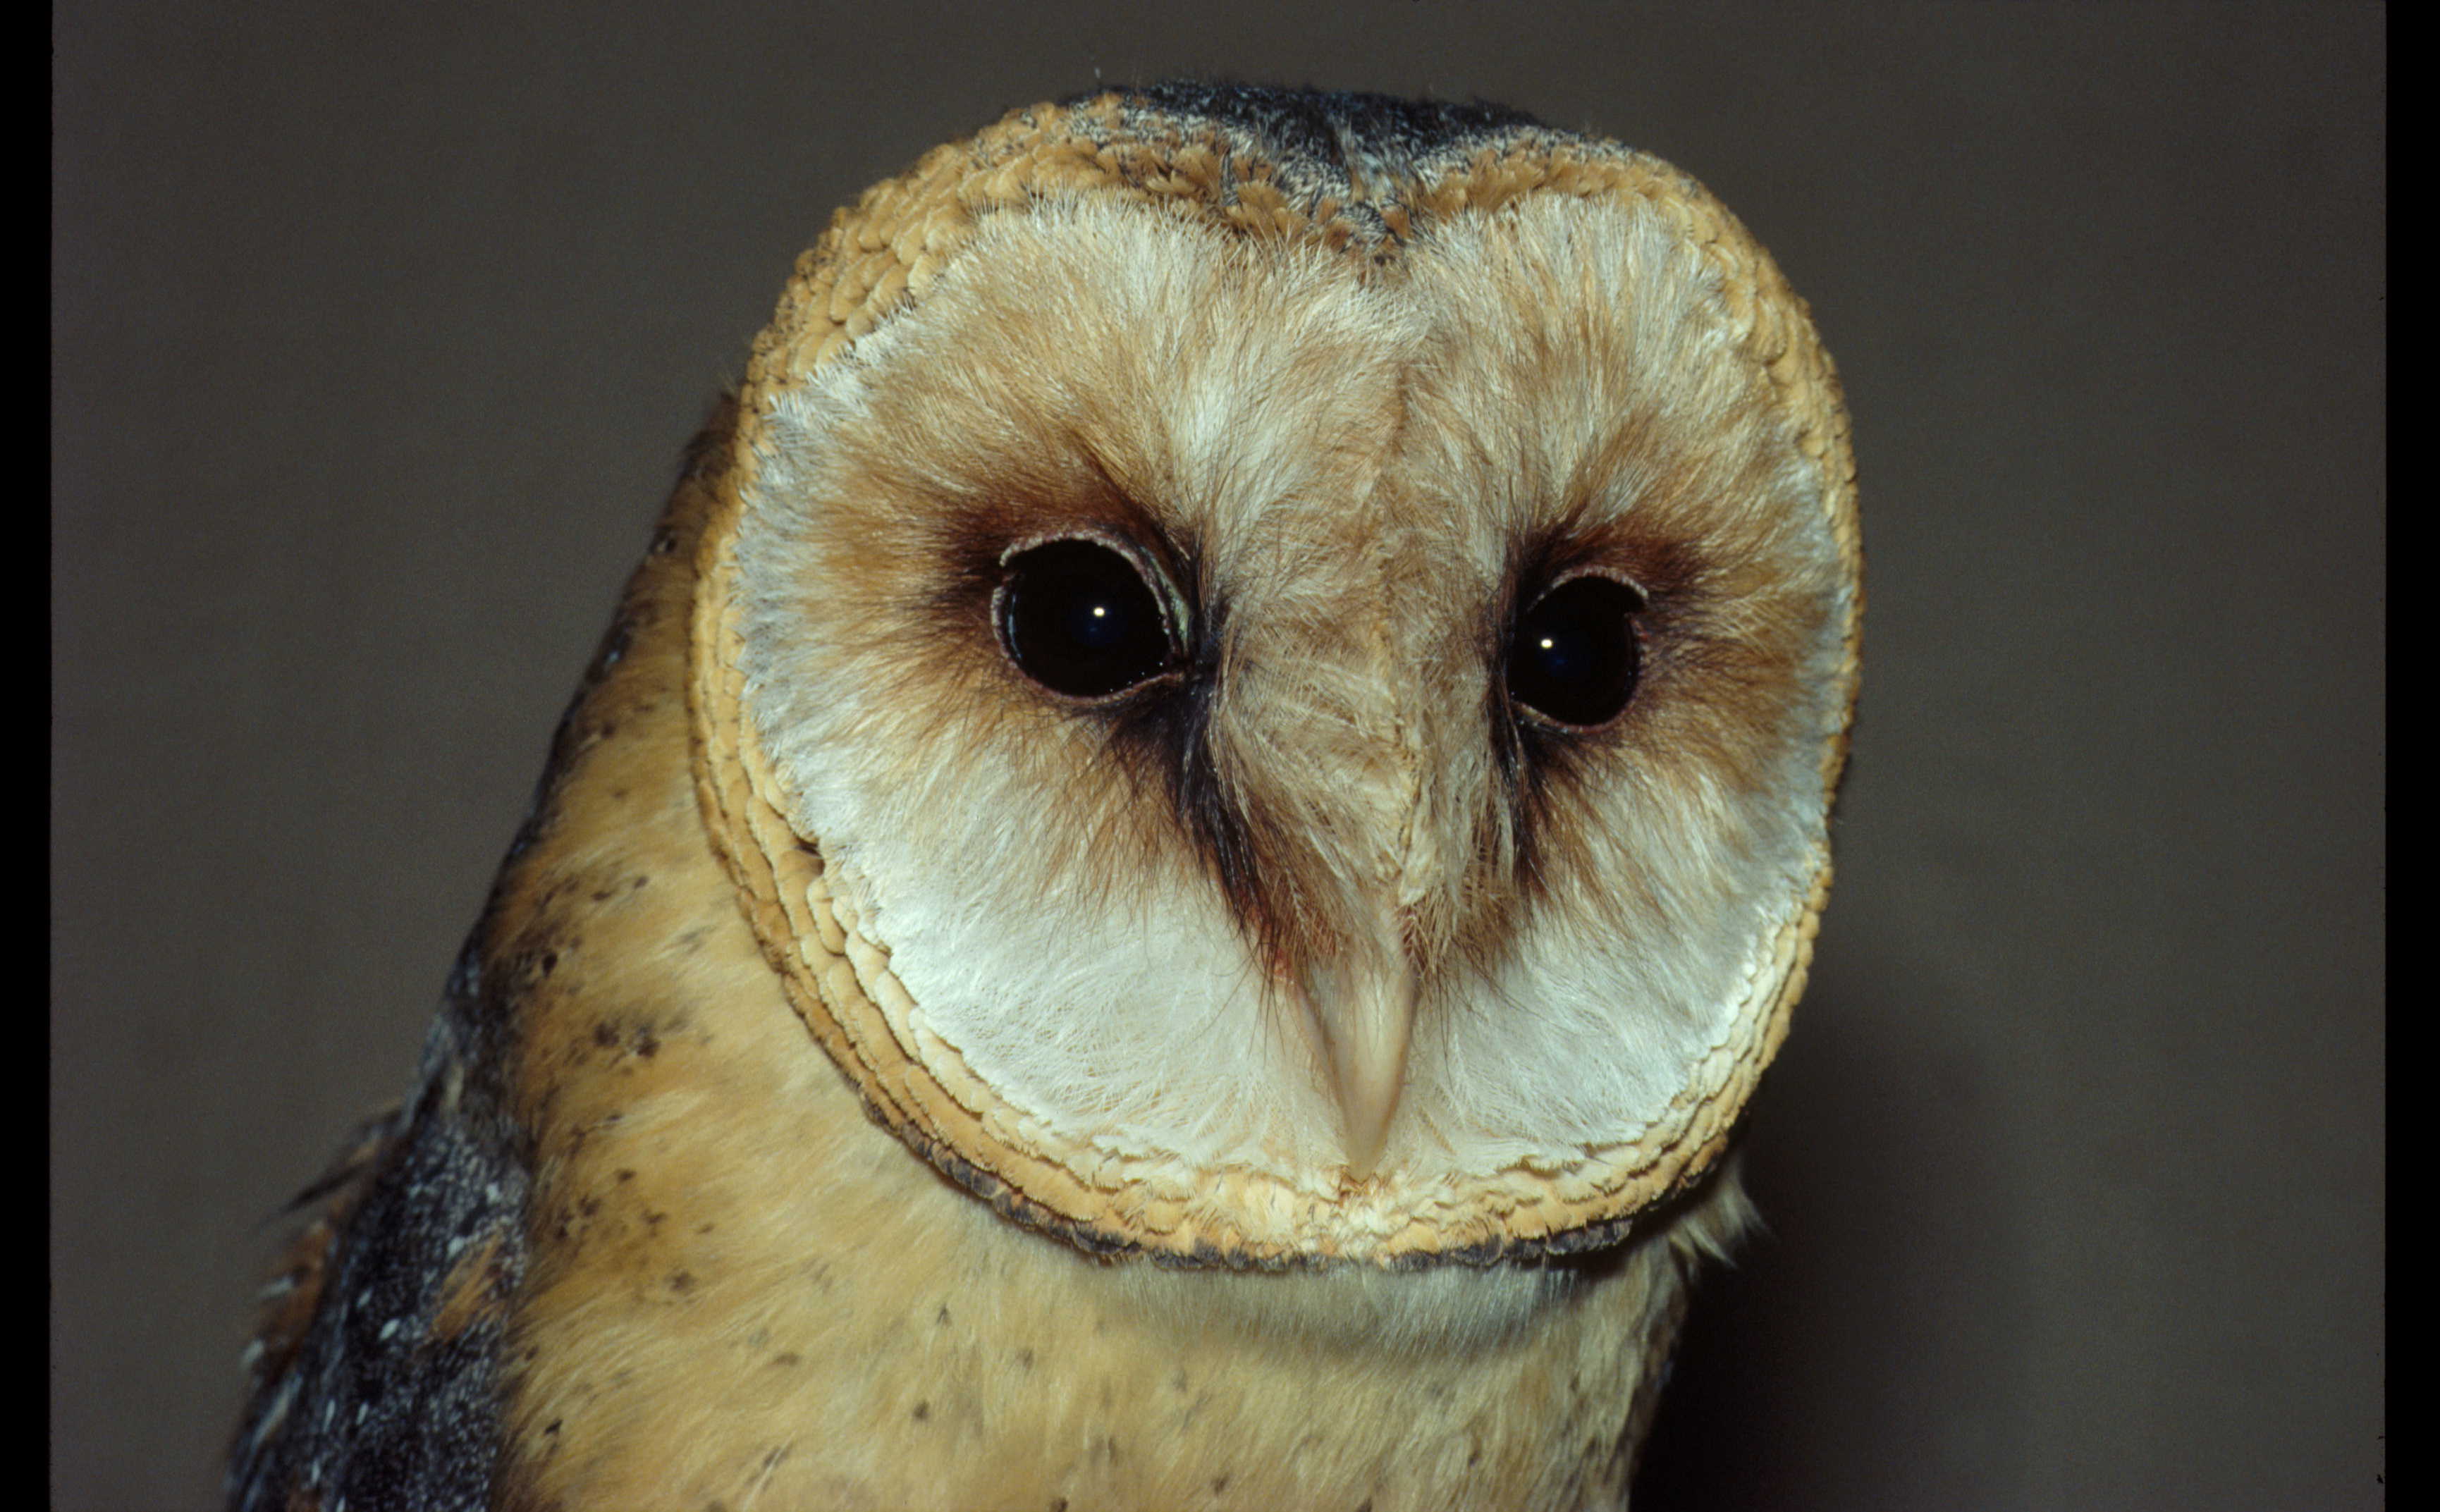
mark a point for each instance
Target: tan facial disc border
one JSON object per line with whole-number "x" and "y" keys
{"x": 880, "y": 255}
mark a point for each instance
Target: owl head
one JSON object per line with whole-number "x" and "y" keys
{"x": 1271, "y": 667}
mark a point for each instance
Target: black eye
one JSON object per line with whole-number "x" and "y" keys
{"x": 1573, "y": 656}
{"x": 1078, "y": 618}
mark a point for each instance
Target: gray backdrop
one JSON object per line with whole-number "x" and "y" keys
{"x": 375, "y": 342}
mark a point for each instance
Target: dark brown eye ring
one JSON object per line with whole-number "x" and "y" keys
{"x": 1574, "y": 657}
{"x": 1082, "y": 618}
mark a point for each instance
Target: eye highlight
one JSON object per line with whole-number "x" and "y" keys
{"x": 1574, "y": 657}
{"x": 1078, "y": 618}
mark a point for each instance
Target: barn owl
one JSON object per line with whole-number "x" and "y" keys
{"x": 1171, "y": 880}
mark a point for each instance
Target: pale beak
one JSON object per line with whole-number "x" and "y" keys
{"x": 1364, "y": 1014}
